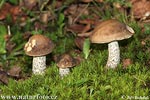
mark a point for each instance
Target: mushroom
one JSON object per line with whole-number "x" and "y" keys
{"x": 110, "y": 31}
{"x": 65, "y": 62}
{"x": 38, "y": 46}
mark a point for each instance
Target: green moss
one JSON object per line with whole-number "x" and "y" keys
{"x": 89, "y": 80}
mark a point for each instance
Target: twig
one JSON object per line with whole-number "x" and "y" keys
{"x": 9, "y": 32}
{"x": 140, "y": 80}
{"x": 31, "y": 20}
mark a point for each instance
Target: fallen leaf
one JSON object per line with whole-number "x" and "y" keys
{"x": 87, "y": 21}
{"x": 29, "y": 4}
{"x": 3, "y": 77}
{"x": 27, "y": 35}
{"x": 75, "y": 11}
{"x": 5, "y": 10}
{"x": 126, "y": 62}
{"x": 58, "y": 4}
{"x": 14, "y": 71}
{"x": 78, "y": 59}
{"x": 79, "y": 41}
{"x": 39, "y": 26}
{"x": 88, "y": 1}
{"x": 15, "y": 11}
{"x": 75, "y": 52}
{"x": 149, "y": 62}
{"x": 133, "y": 1}
{"x": 7, "y": 37}
{"x": 141, "y": 9}
{"x": 77, "y": 28}
{"x": 117, "y": 5}
{"x": 1, "y": 69}
{"x": 71, "y": 10}
{"x": 143, "y": 43}
{"x": 44, "y": 17}
{"x": 10, "y": 46}
{"x": 8, "y": 9}
{"x": 86, "y": 28}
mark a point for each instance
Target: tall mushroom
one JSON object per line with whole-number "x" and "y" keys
{"x": 38, "y": 46}
{"x": 110, "y": 31}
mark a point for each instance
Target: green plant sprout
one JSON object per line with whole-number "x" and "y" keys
{"x": 3, "y": 32}
{"x": 86, "y": 48}
{"x": 60, "y": 24}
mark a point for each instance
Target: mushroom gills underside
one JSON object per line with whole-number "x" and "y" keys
{"x": 114, "y": 55}
{"x": 63, "y": 72}
{"x": 39, "y": 65}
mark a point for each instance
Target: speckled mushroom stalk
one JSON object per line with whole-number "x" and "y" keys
{"x": 39, "y": 64}
{"x": 110, "y": 31}
{"x": 64, "y": 63}
{"x": 63, "y": 72}
{"x": 114, "y": 55}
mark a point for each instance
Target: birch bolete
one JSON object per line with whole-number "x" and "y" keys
{"x": 38, "y": 46}
{"x": 110, "y": 31}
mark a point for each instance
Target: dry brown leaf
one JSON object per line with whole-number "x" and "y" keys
{"x": 3, "y": 77}
{"x": 29, "y": 4}
{"x": 79, "y": 41}
{"x": 88, "y": 1}
{"x": 27, "y": 35}
{"x": 8, "y": 9}
{"x": 10, "y": 46}
{"x": 14, "y": 71}
{"x": 141, "y": 9}
{"x": 117, "y": 5}
{"x": 126, "y": 62}
{"x": 76, "y": 28}
{"x": 143, "y": 43}
{"x": 75, "y": 11}
{"x": 5, "y": 10}
{"x": 44, "y": 17}
{"x": 7, "y": 37}
{"x": 58, "y": 4}
{"x": 39, "y": 26}
{"x": 86, "y": 28}
{"x": 134, "y": 1}
{"x": 87, "y": 21}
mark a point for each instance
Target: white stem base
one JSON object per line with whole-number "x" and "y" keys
{"x": 63, "y": 72}
{"x": 39, "y": 65}
{"x": 114, "y": 55}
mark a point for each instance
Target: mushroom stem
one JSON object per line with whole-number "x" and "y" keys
{"x": 114, "y": 55}
{"x": 63, "y": 72}
{"x": 39, "y": 64}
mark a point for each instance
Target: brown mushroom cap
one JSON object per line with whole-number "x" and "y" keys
{"x": 66, "y": 61}
{"x": 110, "y": 30}
{"x": 38, "y": 45}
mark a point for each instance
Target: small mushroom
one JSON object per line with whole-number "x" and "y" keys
{"x": 65, "y": 62}
{"x": 38, "y": 46}
{"x": 111, "y": 31}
